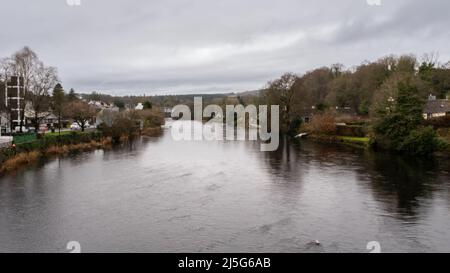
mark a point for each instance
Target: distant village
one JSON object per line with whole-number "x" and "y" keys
{"x": 364, "y": 104}
{"x": 21, "y": 113}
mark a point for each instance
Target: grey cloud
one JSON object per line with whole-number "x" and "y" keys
{"x": 168, "y": 46}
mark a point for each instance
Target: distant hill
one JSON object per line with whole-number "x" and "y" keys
{"x": 169, "y": 100}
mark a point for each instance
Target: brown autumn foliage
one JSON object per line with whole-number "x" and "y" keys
{"x": 23, "y": 159}
{"x": 19, "y": 160}
{"x": 80, "y": 112}
{"x": 322, "y": 124}
{"x": 152, "y": 117}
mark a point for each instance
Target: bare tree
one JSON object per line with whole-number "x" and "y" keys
{"x": 81, "y": 113}
{"x": 42, "y": 80}
{"x": 281, "y": 92}
{"x": 25, "y": 63}
{"x": 430, "y": 59}
{"x": 6, "y": 70}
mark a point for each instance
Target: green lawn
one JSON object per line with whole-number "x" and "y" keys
{"x": 356, "y": 140}
{"x": 25, "y": 138}
{"x": 57, "y": 134}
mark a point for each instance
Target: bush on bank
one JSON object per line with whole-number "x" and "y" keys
{"x": 42, "y": 143}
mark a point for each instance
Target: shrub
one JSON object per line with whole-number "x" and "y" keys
{"x": 152, "y": 117}
{"x": 399, "y": 124}
{"x": 421, "y": 141}
{"x": 321, "y": 124}
{"x": 441, "y": 122}
{"x": 350, "y": 130}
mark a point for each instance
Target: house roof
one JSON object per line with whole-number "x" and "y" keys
{"x": 437, "y": 106}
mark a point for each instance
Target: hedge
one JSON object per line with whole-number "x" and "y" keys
{"x": 44, "y": 142}
{"x": 351, "y": 130}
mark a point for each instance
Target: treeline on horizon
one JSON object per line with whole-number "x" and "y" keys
{"x": 357, "y": 88}
{"x": 388, "y": 95}
{"x": 361, "y": 89}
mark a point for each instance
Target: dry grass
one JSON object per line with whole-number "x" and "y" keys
{"x": 19, "y": 160}
{"x": 23, "y": 159}
{"x": 57, "y": 150}
{"x": 107, "y": 142}
{"x": 152, "y": 131}
{"x": 80, "y": 147}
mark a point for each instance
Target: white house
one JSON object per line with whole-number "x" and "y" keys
{"x": 139, "y": 106}
{"x": 436, "y": 108}
{"x": 4, "y": 124}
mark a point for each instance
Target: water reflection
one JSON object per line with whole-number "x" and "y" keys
{"x": 160, "y": 195}
{"x": 407, "y": 181}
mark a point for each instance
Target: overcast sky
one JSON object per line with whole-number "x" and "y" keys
{"x": 185, "y": 46}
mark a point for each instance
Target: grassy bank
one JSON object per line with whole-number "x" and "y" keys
{"x": 363, "y": 142}
{"x": 30, "y": 149}
{"x": 18, "y": 161}
{"x": 25, "y": 153}
{"x": 358, "y": 142}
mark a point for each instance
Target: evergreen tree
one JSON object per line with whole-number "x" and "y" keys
{"x": 72, "y": 95}
{"x": 58, "y": 103}
{"x": 399, "y": 127}
{"x": 148, "y": 105}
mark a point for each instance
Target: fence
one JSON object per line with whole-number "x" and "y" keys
{"x": 5, "y": 142}
{"x": 24, "y": 138}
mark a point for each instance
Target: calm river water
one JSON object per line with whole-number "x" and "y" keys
{"x": 159, "y": 195}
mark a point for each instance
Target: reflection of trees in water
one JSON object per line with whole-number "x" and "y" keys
{"x": 284, "y": 161}
{"x": 400, "y": 182}
{"x": 294, "y": 157}
{"x": 285, "y": 166}
{"x": 294, "y": 154}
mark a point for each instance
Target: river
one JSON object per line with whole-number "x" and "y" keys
{"x": 159, "y": 195}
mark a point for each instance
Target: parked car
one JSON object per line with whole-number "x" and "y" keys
{"x": 43, "y": 128}
{"x": 24, "y": 129}
{"x": 75, "y": 126}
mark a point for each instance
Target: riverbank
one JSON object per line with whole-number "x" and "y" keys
{"x": 366, "y": 143}
{"x": 15, "y": 157}
{"x": 356, "y": 142}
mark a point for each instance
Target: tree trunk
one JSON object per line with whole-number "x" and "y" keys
{"x": 36, "y": 122}
{"x": 59, "y": 123}
{"x": 21, "y": 113}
